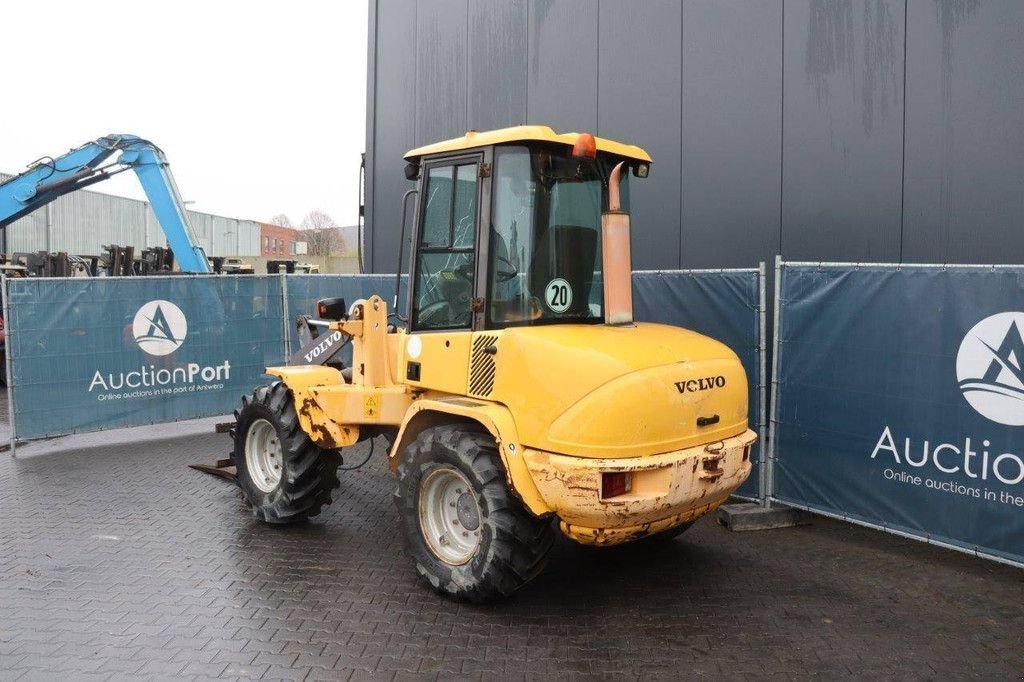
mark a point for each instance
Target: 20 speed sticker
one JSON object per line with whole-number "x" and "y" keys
{"x": 558, "y": 295}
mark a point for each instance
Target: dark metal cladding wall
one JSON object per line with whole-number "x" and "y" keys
{"x": 964, "y": 189}
{"x": 842, "y": 129}
{"x": 639, "y": 97}
{"x": 562, "y": 61}
{"x": 497, "y": 63}
{"x": 441, "y": 64}
{"x": 731, "y": 132}
{"x": 391, "y": 131}
{"x": 870, "y": 130}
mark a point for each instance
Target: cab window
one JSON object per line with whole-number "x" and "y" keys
{"x": 545, "y": 238}
{"x": 445, "y": 253}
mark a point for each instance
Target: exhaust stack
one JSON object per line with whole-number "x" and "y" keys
{"x": 617, "y": 262}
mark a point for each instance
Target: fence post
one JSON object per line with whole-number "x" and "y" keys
{"x": 285, "y": 318}
{"x": 762, "y": 382}
{"x": 772, "y": 423}
{"x": 9, "y": 363}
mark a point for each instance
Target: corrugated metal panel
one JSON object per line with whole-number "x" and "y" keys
{"x": 225, "y": 237}
{"x": 202, "y": 230}
{"x": 24, "y": 235}
{"x": 84, "y": 221}
{"x": 80, "y": 223}
{"x": 249, "y": 241}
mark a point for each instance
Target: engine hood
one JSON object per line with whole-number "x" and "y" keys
{"x": 603, "y": 391}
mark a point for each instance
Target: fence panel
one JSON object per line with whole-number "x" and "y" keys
{"x": 725, "y": 305}
{"x": 89, "y": 354}
{"x": 900, "y": 400}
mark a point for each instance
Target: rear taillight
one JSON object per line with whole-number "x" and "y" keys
{"x": 616, "y": 483}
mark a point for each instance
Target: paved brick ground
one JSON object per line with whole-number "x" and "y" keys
{"x": 117, "y": 561}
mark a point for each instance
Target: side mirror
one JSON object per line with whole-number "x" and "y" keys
{"x": 331, "y": 309}
{"x": 412, "y": 171}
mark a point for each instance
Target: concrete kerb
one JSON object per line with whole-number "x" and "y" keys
{"x": 754, "y": 516}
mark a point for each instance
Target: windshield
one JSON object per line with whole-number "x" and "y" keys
{"x": 545, "y": 239}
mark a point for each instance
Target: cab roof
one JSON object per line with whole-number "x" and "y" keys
{"x": 474, "y": 140}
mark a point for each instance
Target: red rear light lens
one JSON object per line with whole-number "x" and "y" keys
{"x": 614, "y": 484}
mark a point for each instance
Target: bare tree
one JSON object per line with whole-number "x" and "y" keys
{"x": 317, "y": 220}
{"x": 321, "y": 234}
{"x": 281, "y": 220}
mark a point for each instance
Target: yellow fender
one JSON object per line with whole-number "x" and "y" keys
{"x": 496, "y": 418}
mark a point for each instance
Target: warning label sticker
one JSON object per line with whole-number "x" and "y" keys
{"x": 371, "y": 406}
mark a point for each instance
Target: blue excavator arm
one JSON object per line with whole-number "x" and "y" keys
{"x": 49, "y": 178}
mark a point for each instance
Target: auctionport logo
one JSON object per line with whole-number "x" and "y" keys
{"x": 990, "y": 368}
{"x": 159, "y": 327}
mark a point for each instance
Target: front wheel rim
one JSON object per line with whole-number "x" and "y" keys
{"x": 450, "y": 518}
{"x": 263, "y": 455}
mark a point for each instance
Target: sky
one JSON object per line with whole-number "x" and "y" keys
{"x": 260, "y": 106}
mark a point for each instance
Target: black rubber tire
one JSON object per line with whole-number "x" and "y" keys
{"x": 310, "y": 473}
{"x": 514, "y": 544}
{"x": 670, "y": 534}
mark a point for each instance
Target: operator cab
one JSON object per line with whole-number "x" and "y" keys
{"x": 508, "y": 230}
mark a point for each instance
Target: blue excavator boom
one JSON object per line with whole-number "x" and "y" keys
{"x": 50, "y": 178}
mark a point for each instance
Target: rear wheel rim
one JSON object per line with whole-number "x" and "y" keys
{"x": 450, "y": 516}
{"x": 263, "y": 455}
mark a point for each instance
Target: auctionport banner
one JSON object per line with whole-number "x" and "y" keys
{"x": 901, "y": 400}
{"x": 100, "y": 353}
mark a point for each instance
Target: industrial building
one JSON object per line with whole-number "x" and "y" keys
{"x": 882, "y": 130}
{"x": 82, "y": 222}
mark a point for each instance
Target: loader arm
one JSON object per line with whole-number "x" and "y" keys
{"x": 50, "y": 178}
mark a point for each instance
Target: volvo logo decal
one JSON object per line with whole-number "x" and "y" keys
{"x": 701, "y": 384}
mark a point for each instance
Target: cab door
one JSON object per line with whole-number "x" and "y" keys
{"x": 444, "y": 277}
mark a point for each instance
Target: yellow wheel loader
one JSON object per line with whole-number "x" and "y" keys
{"x": 518, "y": 395}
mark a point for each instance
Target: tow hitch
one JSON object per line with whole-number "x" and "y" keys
{"x": 711, "y": 469}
